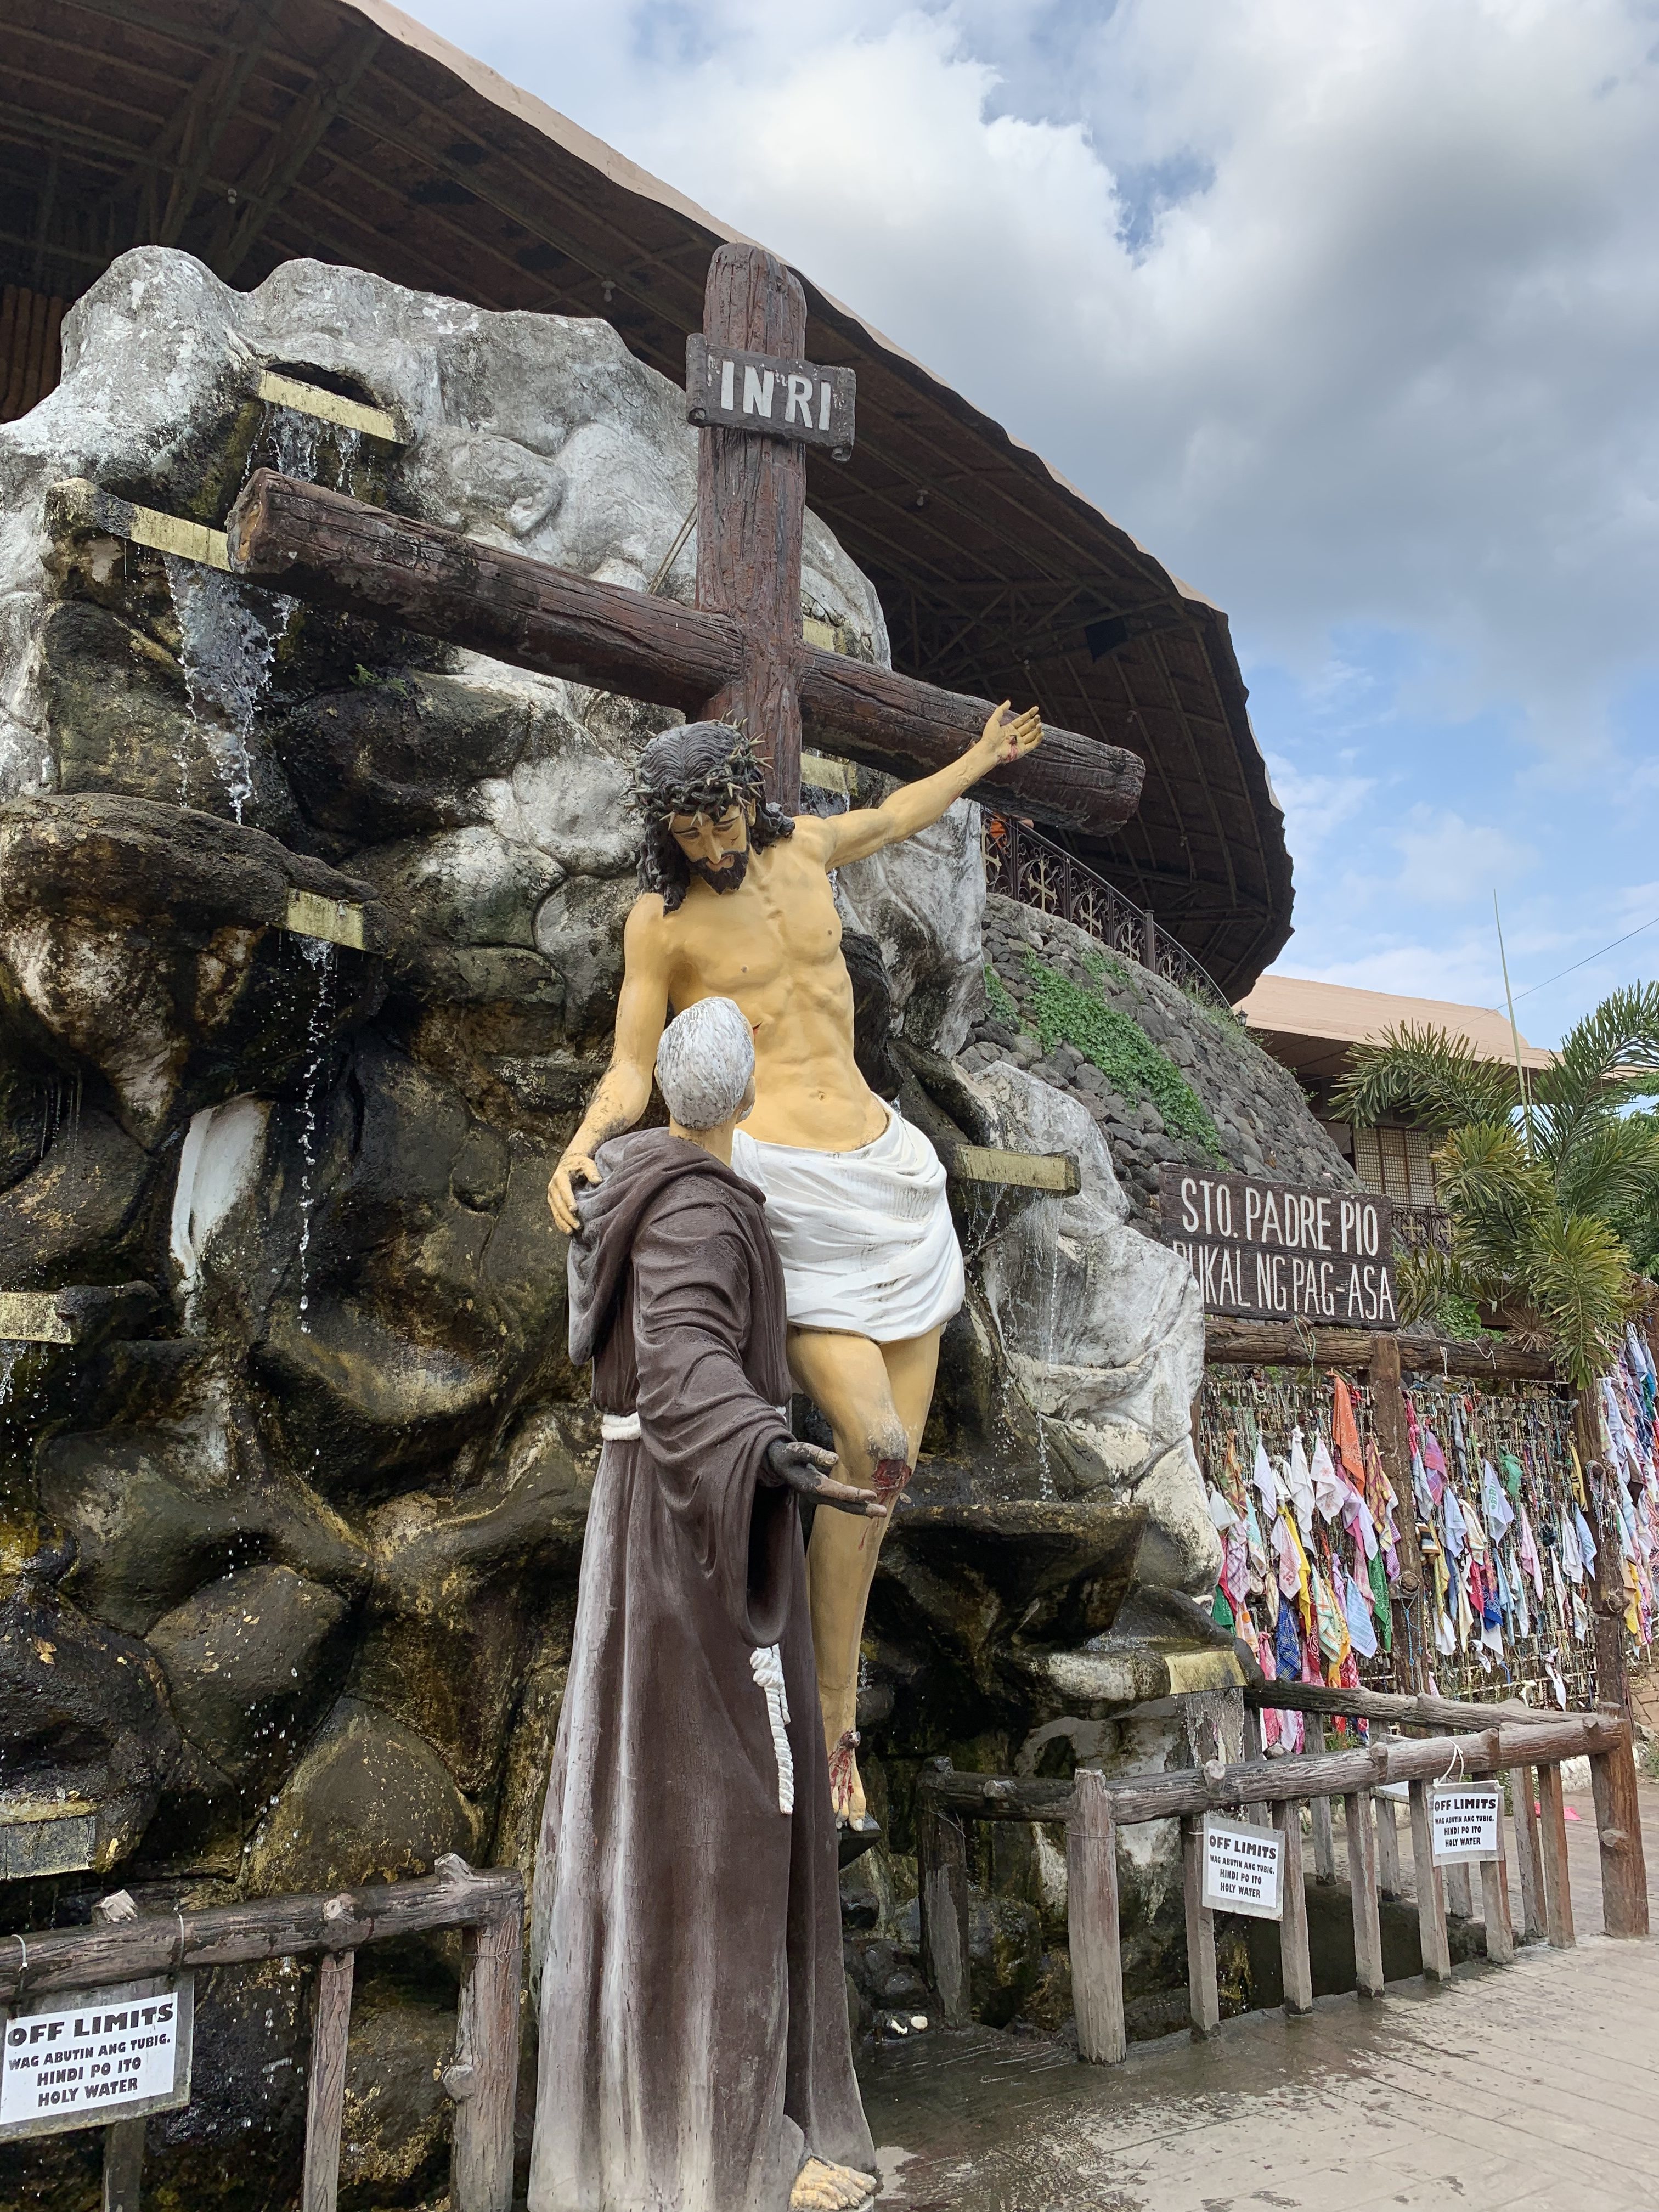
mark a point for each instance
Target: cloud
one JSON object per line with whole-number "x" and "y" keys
{"x": 1316, "y": 806}
{"x": 1348, "y": 308}
{"x": 1447, "y": 861}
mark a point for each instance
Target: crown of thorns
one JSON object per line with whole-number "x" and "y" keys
{"x": 701, "y": 768}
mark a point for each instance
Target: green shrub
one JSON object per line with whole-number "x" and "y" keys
{"x": 1000, "y": 999}
{"x": 1061, "y": 1010}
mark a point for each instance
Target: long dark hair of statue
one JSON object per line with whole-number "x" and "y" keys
{"x": 701, "y": 768}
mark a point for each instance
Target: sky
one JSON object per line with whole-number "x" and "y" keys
{"x": 1348, "y": 309}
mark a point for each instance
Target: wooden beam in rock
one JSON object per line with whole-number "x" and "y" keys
{"x": 332, "y": 551}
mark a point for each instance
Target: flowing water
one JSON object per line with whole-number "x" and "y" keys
{"x": 319, "y": 955}
{"x": 228, "y": 635}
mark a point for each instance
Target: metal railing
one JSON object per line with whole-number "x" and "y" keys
{"x": 1527, "y": 1746}
{"x": 1023, "y": 865}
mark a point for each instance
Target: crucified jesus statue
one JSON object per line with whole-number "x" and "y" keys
{"x": 738, "y": 902}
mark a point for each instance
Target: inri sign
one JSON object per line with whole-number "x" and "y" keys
{"x": 731, "y": 390}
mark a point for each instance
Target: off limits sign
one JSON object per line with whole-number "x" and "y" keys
{"x": 1272, "y": 1251}
{"x": 81, "y": 2061}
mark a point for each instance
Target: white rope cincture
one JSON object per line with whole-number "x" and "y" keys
{"x": 766, "y": 1665}
{"x": 619, "y": 1428}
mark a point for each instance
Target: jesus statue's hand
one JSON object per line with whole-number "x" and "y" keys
{"x": 1008, "y": 737}
{"x": 805, "y": 1468}
{"x": 560, "y": 1192}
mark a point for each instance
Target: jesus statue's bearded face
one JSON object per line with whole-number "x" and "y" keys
{"x": 715, "y": 846}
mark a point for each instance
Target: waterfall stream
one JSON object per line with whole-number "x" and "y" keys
{"x": 318, "y": 954}
{"x": 229, "y": 634}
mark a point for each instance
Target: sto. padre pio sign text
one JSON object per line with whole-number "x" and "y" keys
{"x": 1272, "y": 1251}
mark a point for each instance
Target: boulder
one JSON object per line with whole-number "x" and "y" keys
{"x": 245, "y": 1658}
{"x": 370, "y": 1802}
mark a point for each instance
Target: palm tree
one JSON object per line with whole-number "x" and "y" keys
{"x": 1553, "y": 1196}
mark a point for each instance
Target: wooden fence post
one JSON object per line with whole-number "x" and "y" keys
{"x": 124, "y": 2139}
{"x": 1430, "y": 1891}
{"x": 1495, "y": 1904}
{"x": 1387, "y": 1845}
{"x": 1619, "y": 1832}
{"x": 1523, "y": 1799}
{"x": 1362, "y": 1883}
{"x": 1558, "y": 1889}
{"x": 1092, "y": 1919}
{"x": 1296, "y": 1968}
{"x": 1458, "y": 1890}
{"x": 1203, "y": 1998}
{"x": 331, "y": 2029}
{"x": 124, "y": 2165}
{"x": 1319, "y": 1812}
{"x": 484, "y": 2078}
{"x": 942, "y": 1868}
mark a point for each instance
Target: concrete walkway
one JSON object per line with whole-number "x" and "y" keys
{"x": 1531, "y": 2086}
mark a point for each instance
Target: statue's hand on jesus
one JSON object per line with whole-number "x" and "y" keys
{"x": 805, "y": 1469}
{"x": 1008, "y": 737}
{"x": 562, "y": 1190}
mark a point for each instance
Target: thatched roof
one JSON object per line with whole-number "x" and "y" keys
{"x": 250, "y": 131}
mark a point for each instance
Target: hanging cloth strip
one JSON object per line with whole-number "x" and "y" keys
{"x": 766, "y": 1665}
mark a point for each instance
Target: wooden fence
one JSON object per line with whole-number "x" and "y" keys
{"x": 1511, "y": 1740}
{"x": 483, "y": 2080}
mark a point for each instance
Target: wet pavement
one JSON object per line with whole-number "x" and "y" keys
{"x": 1529, "y": 2087}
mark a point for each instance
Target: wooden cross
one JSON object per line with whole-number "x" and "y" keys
{"x": 737, "y": 655}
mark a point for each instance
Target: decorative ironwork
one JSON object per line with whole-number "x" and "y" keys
{"x": 1023, "y": 865}
{"x": 1416, "y": 1227}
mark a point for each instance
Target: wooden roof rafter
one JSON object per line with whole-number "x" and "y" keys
{"x": 334, "y": 123}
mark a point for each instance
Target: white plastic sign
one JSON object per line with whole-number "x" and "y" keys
{"x": 81, "y": 2061}
{"x": 1243, "y": 1870}
{"x": 1464, "y": 1820}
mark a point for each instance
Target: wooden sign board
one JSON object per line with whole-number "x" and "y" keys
{"x": 728, "y": 389}
{"x": 1274, "y": 1251}
{"x": 1053, "y": 1171}
{"x": 1465, "y": 1823}
{"x": 83, "y": 2061}
{"x": 1243, "y": 1869}
{"x": 32, "y": 1318}
{"x": 336, "y": 922}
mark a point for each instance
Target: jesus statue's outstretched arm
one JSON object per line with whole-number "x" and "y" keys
{"x": 916, "y": 806}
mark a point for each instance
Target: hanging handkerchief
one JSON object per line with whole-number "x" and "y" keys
{"x": 1494, "y": 1501}
{"x": 1586, "y": 1542}
{"x": 1361, "y": 1629}
{"x": 1330, "y": 1492}
{"x": 1267, "y": 1482}
{"x": 1302, "y": 1497}
{"x": 1426, "y": 1498}
{"x": 1434, "y": 1460}
{"x": 1572, "y": 1561}
{"x": 1220, "y": 1512}
{"x": 1451, "y": 1516}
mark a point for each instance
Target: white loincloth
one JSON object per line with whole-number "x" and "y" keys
{"x": 865, "y": 1238}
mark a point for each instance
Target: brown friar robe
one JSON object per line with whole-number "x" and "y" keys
{"x": 695, "y": 2047}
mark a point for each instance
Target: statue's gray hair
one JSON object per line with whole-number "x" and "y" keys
{"x": 704, "y": 1063}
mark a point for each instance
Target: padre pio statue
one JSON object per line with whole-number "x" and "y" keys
{"x": 695, "y": 2050}
{"x": 738, "y": 902}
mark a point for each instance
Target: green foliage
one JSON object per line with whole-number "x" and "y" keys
{"x": 1000, "y": 999}
{"x": 1552, "y": 1204}
{"x": 1120, "y": 1049}
{"x": 1425, "y": 1075}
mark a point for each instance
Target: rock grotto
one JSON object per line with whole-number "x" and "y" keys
{"x": 289, "y": 1528}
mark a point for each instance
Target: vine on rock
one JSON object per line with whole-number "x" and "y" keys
{"x": 1060, "y": 1010}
